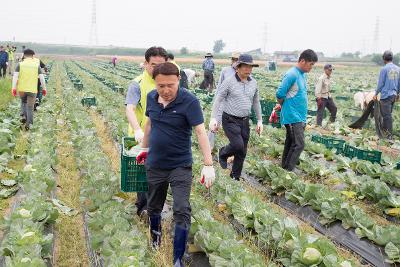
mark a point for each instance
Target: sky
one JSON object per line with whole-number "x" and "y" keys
{"x": 331, "y": 27}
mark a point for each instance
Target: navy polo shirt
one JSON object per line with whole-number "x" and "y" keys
{"x": 170, "y": 140}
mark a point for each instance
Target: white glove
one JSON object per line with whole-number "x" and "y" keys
{"x": 207, "y": 176}
{"x": 213, "y": 126}
{"x": 139, "y": 135}
{"x": 259, "y": 127}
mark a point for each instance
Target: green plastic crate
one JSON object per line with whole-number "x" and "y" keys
{"x": 133, "y": 175}
{"x": 331, "y": 142}
{"x": 314, "y": 113}
{"x": 88, "y": 101}
{"x": 350, "y": 151}
{"x": 316, "y": 139}
{"x": 369, "y": 155}
{"x": 342, "y": 98}
{"x": 78, "y": 86}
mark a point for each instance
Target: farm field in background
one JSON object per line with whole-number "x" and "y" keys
{"x": 62, "y": 203}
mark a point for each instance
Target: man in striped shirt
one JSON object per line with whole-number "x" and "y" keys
{"x": 239, "y": 94}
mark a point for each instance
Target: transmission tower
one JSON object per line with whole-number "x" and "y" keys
{"x": 265, "y": 38}
{"x": 375, "y": 46}
{"x": 93, "y": 40}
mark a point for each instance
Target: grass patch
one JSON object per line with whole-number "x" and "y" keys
{"x": 70, "y": 246}
{"x": 5, "y": 93}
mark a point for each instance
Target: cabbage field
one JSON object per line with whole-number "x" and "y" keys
{"x": 61, "y": 202}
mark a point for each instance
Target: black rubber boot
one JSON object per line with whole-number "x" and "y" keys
{"x": 180, "y": 240}
{"x": 155, "y": 231}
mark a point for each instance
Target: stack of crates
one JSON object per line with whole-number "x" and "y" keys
{"x": 88, "y": 101}
{"x": 334, "y": 143}
{"x": 370, "y": 155}
{"x": 329, "y": 142}
{"x": 350, "y": 151}
{"x": 133, "y": 174}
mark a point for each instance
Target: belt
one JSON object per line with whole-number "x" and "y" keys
{"x": 237, "y": 118}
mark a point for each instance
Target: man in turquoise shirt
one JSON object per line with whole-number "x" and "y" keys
{"x": 292, "y": 96}
{"x": 389, "y": 88}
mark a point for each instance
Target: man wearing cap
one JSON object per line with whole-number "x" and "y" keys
{"x": 389, "y": 88}
{"x": 292, "y": 96}
{"x": 208, "y": 68}
{"x": 323, "y": 95}
{"x": 239, "y": 94}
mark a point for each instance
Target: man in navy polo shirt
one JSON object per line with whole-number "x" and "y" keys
{"x": 167, "y": 151}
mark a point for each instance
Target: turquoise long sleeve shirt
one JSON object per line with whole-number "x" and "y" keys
{"x": 293, "y": 91}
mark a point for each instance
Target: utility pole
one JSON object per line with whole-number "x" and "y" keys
{"x": 93, "y": 39}
{"x": 265, "y": 38}
{"x": 375, "y": 46}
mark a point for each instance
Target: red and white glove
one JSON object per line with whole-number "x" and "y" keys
{"x": 142, "y": 156}
{"x": 14, "y": 92}
{"x": 207, "y": 176}
{"x": 278, "y": 107}
{"x": 274, "y": 117}
{"x": 44, "y": 92}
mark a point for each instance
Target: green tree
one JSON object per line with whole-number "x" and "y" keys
{"x": 184, "y": 51}
{"x": 218, "y": 46}
{"x": 377, "y": 59}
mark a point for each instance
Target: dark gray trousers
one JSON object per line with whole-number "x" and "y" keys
{"x": 238, "y": 132}
{"x": 27, "y": 106}
{"x": 386, "y": 111}
{"x": 180, "y": 180}
{"x": 294, "y": 145}
{"x": 208, "y": 81}
{"x": 330, "y": 105}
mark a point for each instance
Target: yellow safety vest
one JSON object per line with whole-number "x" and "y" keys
{"x": 28, "y": 75}
{"x": 146, "y": 84}
{"x": 173, "y": 62}
{"x": 10, "y": 55}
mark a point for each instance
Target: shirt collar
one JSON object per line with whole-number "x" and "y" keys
{"x": 177, "y": 100}
{"x": 302, "y": 72}
{"x": 239, "y": 80}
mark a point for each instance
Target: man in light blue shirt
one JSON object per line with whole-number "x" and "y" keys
{"x": 208, "y": 68}
{"x": 292, "y": 96}
{"x": 389, "y": 88}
